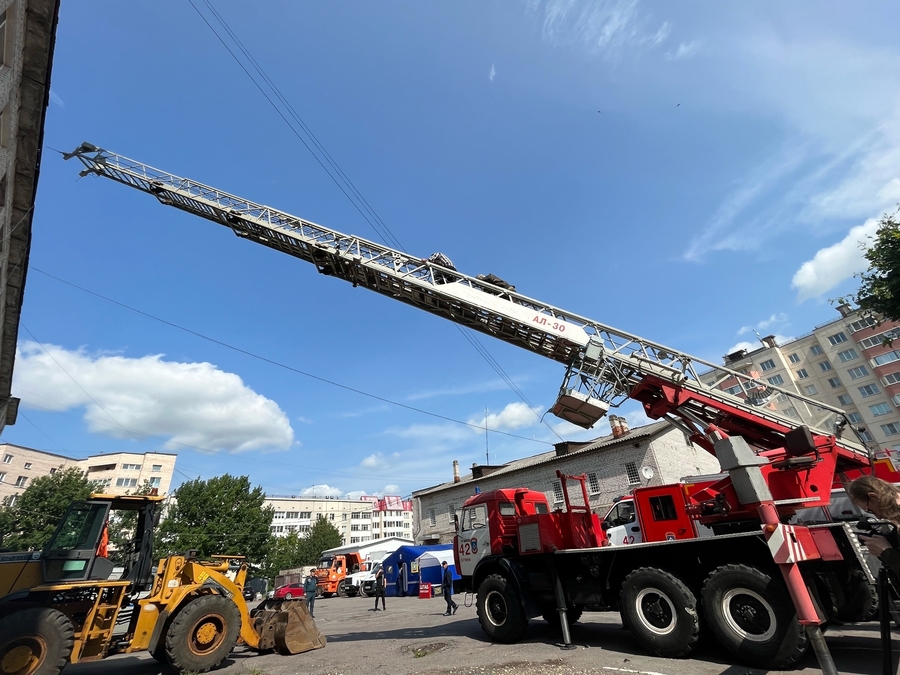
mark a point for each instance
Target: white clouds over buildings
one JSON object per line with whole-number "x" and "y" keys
{"x": 833, "y": 264}
{"x": 193, "y": 405}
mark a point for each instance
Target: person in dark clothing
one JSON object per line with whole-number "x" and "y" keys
{"x": 401, "y": 580}
{"x": 882, "y": 500}
{"x": 379, "y": 588}
{"x": 447, "y": 589}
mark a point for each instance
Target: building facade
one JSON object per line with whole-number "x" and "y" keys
{"x": 654, "y": 454}
{"x": 115, "y": 473}
{"x": 27, "y": 38}
{"x": 358, "y": 520}
{"x": 847, "y": 363}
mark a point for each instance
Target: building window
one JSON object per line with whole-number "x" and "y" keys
{"x": 131, "y": 467}
{"x": 7, "y": 459}
{"x": 866, "y": 436}
{"x": 768, "y": 364}
{"x": 330, "y": 516}
{"x": 854, "y": 418}
{"x": 879, "y": 409}
{"x": 776, "y": 379}
{"x": 890, "y": 429}
{"x": 593, "y": 483}
{"x": 306, "y": 514}
{"x": 811, "y": 390}
{"x": 634, "y": 478}
{"x": 782, "y": 398}
{"x": 451, "y": 511}
{"x": 793, "y": 358}
{"x": 52, "y": 471}
{"x": 3, "y": 24}
{"x": 293, "y": 515}
{"x": 815, "y": 350}
{"x": 156, "y": 467}
{"x": 869, "y": 390}
{"x": 848, "y": 355}
{"x": 843, "y": 399}
{"x": 792, "y": 412}
{"x": 891, "y": 378}
{"x": 734, "y": 391}
{"x": 27, "y": 465}
{"x": 557, "y": 492}
{"x": 126, "y": 482}
{"x": 889, "y": 357}
{"x": 858, "y": 372}
{"x": 825, "y": 366}
{"x": 802, "y": 374}
{"x": 278, "y": 515}
{"x": 865, "y": 322}
{"x": 896, "y": 399}
{"x": 834, "y": 382}
{"x": 21, "y": 480}
{"x": 880, "y": 339}
{"x": 837, "y": 339}
{"x": 432, "y": 518}
{"x": 2, "y": 476}
{"x": 155, "y": 481}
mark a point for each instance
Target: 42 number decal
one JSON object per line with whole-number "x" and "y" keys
{"x": 468, "y": 547}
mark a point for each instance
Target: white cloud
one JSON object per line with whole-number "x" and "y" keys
{"x": 685, "y": 51}
{"x": 54, "y": 98}
{"x": 598, "y": 27}
{"x": 380, "y": 461}
{"x": 462, "y": 390}
{"x": 191, "y": 404}
{"x": 322, "y": 490}
{"x": 493, "y": 73}
{"x": 833, "y": 264}
{"x": 745, "y": 346}
{"x": 513, "y": 416}
{"x": 765, "y": 324}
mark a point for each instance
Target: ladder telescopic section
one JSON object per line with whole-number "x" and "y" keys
{"x": 604, "y": 365}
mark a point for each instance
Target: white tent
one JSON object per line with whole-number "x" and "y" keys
{"x": 435, "y": 558}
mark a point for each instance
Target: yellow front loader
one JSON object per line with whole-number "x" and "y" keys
{"x": 65, "y": 604}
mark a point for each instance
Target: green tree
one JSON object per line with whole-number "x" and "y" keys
{"x": 29, "y": 523}
{"x": 284, "y": 553}
{"x": 222, "y": 515}
{"x": 322, "y": 536}
{"x": 879, "y": 291}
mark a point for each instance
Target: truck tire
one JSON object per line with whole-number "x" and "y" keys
{"x": 500, "y": 610}
{"x": 752, "y": 615}
{"x": 660, "y": 611}
{"x": 203, "y": 633}
{"x": 35, "y": 641}
{"x": 342, "y": 589}
{"x": 362, "y": 592}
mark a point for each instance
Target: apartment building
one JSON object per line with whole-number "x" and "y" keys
{"x": 115, "y": 473}
{"x": 654, "y": 454}
{"x": 847, "y": 363}
{"x": 358, "y": 520}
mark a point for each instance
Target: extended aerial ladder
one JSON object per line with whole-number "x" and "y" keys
{"x": 786, "y": 433}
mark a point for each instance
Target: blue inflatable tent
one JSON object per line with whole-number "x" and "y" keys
{"x": 407, "y": 554}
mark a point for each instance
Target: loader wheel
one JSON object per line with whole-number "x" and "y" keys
{"x": 500, "y": 610}
{"x": 751, "y": 614}
{"x": 35, "y": 641}
{"x": 660, "y": 611}
{"x": 203, "y": 633}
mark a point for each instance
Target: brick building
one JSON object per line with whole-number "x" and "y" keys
{"x": 844, "y": 363}
{"x": 114, "y": 473}
{"x": 654, "y": 454}
{"x": 358, "y": 520}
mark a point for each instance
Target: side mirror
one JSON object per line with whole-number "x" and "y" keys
{"x": 456, "y": 522}
{"x": 604, "y": 525}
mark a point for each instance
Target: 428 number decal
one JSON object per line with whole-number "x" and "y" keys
{"x": 468, "y": 547}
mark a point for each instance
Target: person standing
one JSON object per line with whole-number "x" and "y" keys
{"x": 882, "y": 500}
{"x": 401, "y": 580}
{"x": 309, "y": 590}
{"x": 447, "y": 589}
{"x": 379, "y": 588}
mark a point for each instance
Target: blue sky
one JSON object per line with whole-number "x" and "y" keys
{"x": 687, "y": 173}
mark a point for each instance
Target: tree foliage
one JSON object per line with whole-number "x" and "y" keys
{"x": 879, "y": 291}
{"x": 322, "y": 536}
{"x": 29, "y": 523}
{"x": 222, "y": 515}
{"x": 292, "y": 550}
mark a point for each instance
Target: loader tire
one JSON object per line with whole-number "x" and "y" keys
{"x": 35, "y": 641}
{"x": 500, "y": 610}
{"x": 203, "y": 633}
{"x": 660, "y": 611}
{"x": 753, "y": 617}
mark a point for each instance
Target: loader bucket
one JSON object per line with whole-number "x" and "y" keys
{"x": 286, "y": 626}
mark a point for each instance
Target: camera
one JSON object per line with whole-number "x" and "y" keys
{"x": 868, "y": 527}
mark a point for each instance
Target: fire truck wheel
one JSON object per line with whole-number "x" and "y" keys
{"x": 35, "y": 641}
{"x": 660, "y": 611}
{"x": 551, "y": 616}
{"x": 752, "y": 615}
{"x": 203, "y": 633}
{"x": 500, "y": 610}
